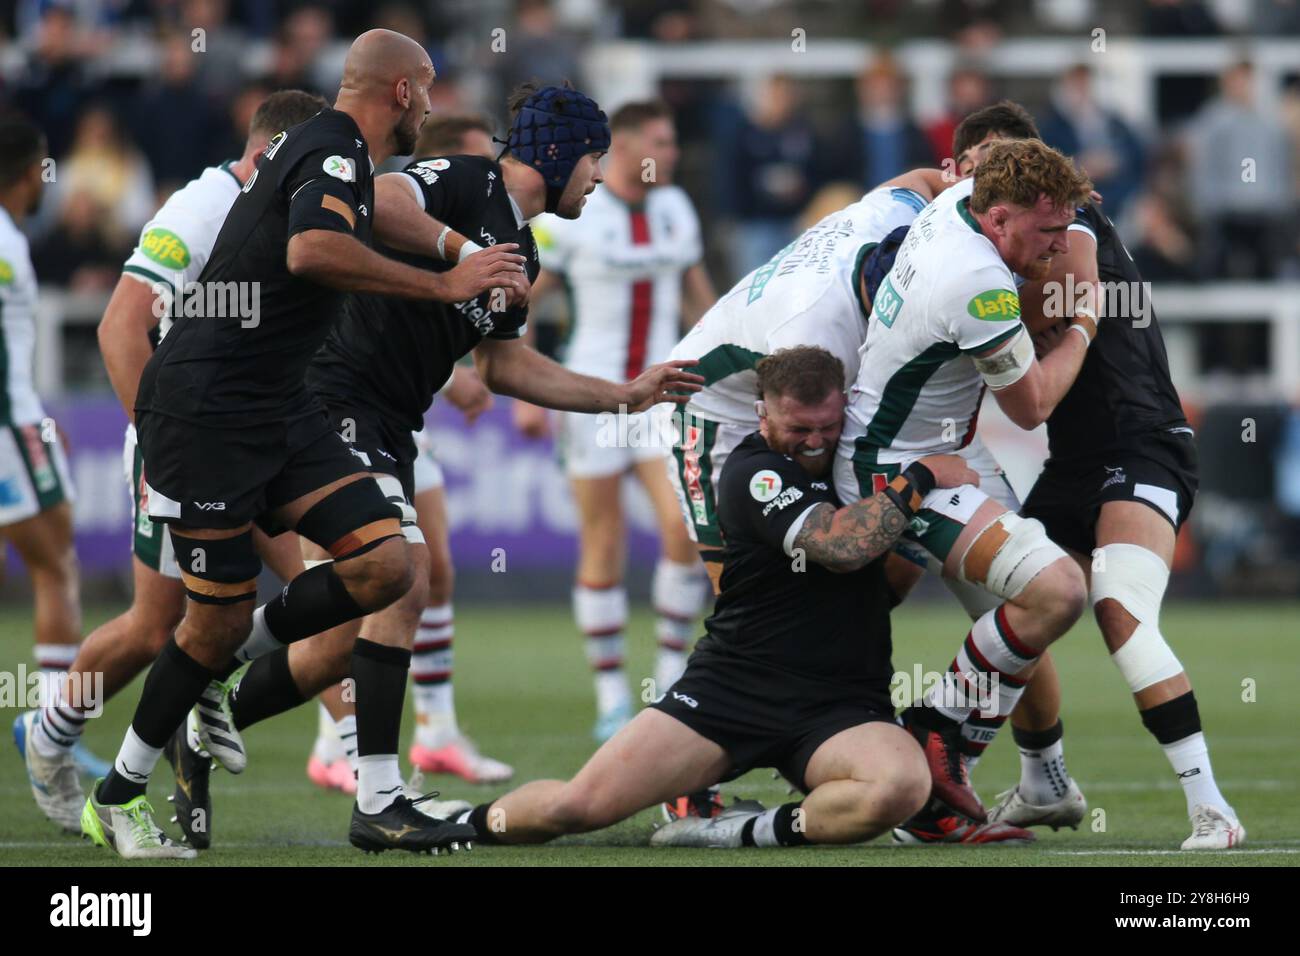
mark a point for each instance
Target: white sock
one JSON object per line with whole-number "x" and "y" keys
{"x": 765, "y": 828}
{"x": 56, "y": 657}
{"x": 611, "y": 691}
{"x": 969, "y": 685}
{"x": 601, "y": 614}
{"x": 1190, "y": 759}
{"x": 58, "y": 726}
{"x": 432, "y": 665}
{"x": 677, "y": 592}
{"x": 327, "y": 748}
{"x": 1043, "y": 777}
{"x": 260, "y": 640}
{"x": 136, "y": 760}
{"x": 379, "y": 782}
{"x": 346, "y": 729}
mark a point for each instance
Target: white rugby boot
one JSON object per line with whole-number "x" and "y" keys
{"x": 1213, "y": 829}
{"x": 1015, "y": 810}
{"x": 718, "y": 832}
{"x": 54, "y": 780}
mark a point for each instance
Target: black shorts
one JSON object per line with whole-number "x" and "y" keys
{"x": 383, "y": 449}
{"x": 227, "y": 477}
{"x": 1157, "y": 469}
{"x": 386, "y": 450}
{"x": 763, "y": 717}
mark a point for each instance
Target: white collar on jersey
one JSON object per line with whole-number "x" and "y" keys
{"x": 514, "y": 207}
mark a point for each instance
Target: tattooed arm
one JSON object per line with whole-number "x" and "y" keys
{"x": 851, "y": 537}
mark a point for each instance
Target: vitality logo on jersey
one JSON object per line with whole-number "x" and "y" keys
{"x": 996, "y": 305}
{"x": 765, "y": 485}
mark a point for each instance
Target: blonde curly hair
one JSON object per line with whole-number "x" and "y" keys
{"x": 1022, "y": 171}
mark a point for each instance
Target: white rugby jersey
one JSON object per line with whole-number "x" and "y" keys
{"x": 949, "y": 294}
{"x": 19, "y": 404}
{"x": 622, "y": 266}
{"x": 175, "y": 244}
{"x": 807, "y": 294}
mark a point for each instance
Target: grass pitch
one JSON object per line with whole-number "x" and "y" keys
{"x": 524, "y": 693}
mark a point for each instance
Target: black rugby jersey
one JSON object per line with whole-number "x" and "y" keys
{"x": 238, "y": 353}
{"x": 394, "y": 354}
{"x": 1124, "y": 389}
{"x": 775, "y": 610}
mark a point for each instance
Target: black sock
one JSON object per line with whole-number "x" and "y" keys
{"x": 173, "y": 686}
{"x": 478, "y": 819}
{"x": 1038, "y": 739}
{"x": 928, "y": 718}
{"x": 266, "y": 689}
{"x": 379, "y": 673}
{"x": 314, "y": 601}
{"x": 785, "y": 828}
{"x": 1173, "y": 720}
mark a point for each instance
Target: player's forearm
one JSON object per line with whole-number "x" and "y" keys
{"x": 698, "y": 295}
{"x": 123, "y": 335}
{"x": 342, "y": 262}
{"x": 526, "y": 374}
{"x": 853, "y": 536}
{"x": 1057, "y": 372}
{"x": 400, "y": 222}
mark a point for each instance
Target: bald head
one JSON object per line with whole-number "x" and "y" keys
{"x": 388, "y": 75}
{"x": 378, "y": 59}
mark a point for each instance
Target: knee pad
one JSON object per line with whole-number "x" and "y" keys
{"x": 217, "y": 570}
{"x": 351, "y": 521}
{"x": 1008, "y": 554}
{"x": 392, "y": 489}
{"x": 1136, "y": 578}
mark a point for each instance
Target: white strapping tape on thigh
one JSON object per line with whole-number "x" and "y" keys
{"x": 1008, "y": 554}
{"x": 315, "y": 562}
{"x": 1136, "y": 577}
{"x": 392, "y": 489}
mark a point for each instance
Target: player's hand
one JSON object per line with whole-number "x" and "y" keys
{"x": 468, "y": 393}
{"x": 666, "y": 382}
{"x": 1049, "y": 338}
{"x": 531, "y": 420}
{"x": 950, "y": 471}
{"x": 492, "y": 268}
{"x": 520, "y": 292}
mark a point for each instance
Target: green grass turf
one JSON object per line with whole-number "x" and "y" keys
{"x": 524, "y": 693}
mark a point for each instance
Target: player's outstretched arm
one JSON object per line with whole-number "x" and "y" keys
{"x": 851, "y": 537}
{"x": 341, "y": 261}
{"x": 1069, "y": 296}
{"x": 509, "y": 367}
{"x": 927, "y": 183}
{"x": 124, "y": 338}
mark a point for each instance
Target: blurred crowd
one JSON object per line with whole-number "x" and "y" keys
{"x": 137, "y": 96}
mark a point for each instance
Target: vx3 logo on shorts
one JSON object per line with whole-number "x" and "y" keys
{"x": 688, "y": 701}
{"x": 1116, "y": 477}
{"x": 210, "y": 505}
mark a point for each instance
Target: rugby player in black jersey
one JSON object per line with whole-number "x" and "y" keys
{"x": 794, "y": 671}
{"x": 1120, "y": 480}
{"x": 382, "y": 363}
{"x": 231, "y": 434}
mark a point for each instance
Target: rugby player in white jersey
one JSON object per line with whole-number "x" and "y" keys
{"x": 945, "y": 324}
{"x": 35, "y": 490}
{"x": 813, "y": 292}
{"x": 172, "y": 250}
{"x": 439, "y": 745}
{"x": 634, "y": 279}
{"x": 1119, "y": 482}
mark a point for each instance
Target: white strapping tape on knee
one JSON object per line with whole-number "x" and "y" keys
{"x": 392, "y": 489}
{"x": 1019, "y": 549}
{"x": 1136, "y": 578}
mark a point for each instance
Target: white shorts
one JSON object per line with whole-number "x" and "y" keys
{"x": 150, "y": 541}
{"x": 694, "y": 470}
{"x": 428, "y": 473}
{"x": 597, "y": 446}
{"x": 33, "y": 472}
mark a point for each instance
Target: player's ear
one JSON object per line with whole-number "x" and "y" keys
{"x": 760, "y": 407}
{"x": 403, "y": 92}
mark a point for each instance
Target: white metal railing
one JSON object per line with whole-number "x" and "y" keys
{"x": 1179, "y": 308}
